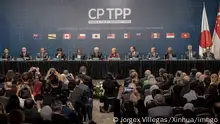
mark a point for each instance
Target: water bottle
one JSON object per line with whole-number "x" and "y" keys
{"x": 182, "y": 57}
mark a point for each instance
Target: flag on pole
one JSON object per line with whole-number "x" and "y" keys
{"x": 216, "y": 37}
{"x": 205, "y": 38}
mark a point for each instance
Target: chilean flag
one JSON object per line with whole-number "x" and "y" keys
{"x": 205, "y": 38}
{"x": 216, "y": 37}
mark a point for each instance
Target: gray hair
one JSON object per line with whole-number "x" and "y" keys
{"x": 56, "y": 106}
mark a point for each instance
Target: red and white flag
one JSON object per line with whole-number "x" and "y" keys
{"x": 66, "y": 36}
{"x": 111, "y": 36}
{"x": 170, "y": 35}
{"x": 185, "y": 35}
{"x": 126, "y": 35}
{"x": 81, "y": 36}
{"x": 205, "y": 38}
{"x": 216, "y": 37}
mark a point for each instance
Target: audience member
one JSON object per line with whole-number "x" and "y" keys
{"x": 3, "y": 119}
{"x": 16, "y": 117}
{"x": 3, "y": 99}
{"x": 13, "y": 103}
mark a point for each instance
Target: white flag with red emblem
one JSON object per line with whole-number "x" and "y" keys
{"x": 205, "y": 36}
{"x": 66, "y": 36}
{"x": 216, "y": 37}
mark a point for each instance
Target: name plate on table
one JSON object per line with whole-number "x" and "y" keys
{"x": 193, "y": 58}
{"x": 95, "y": 59}
{"x": 39, "y": 59}
{"x": 134, "y": 59}
{"x": 20, "y": 59}
{"x": 114, "y": 59}
{"x": 173, "y": 58}
{"x": 56, "y": 59}
{"x": 77, "y": 59}
{"x": 153, "y": 58}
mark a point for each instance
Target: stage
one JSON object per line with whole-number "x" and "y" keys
{"x": 98, "y": 69}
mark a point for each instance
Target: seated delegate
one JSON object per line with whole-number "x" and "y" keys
{"x": 60, "y": 55}
{"x": 169, "y": 54}
{"x": 114, "y": 54}
{"x": 96, "y": 54}
{"x": 6, "y": 55}
{"x": 190, "y": 54}
{"x": 133, "y": 53}
{"x": 24, "y": 54}
{"x": 42, "y": 54}
{"x": 79, "y": 55}
{"x": 153, "y": 54}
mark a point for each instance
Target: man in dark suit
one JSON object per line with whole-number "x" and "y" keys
{"x": 133, "y": 53}
{"x": 60, "y": 54}
{"x": 96, "y": 54}
{"x": 153, "y": 54}
{"x": 190, "y": 54}
{"x": 169, "y": 54}
{"x": 43, "y": 54}
{"x": 6, "y": 54}
{"x": 208, "y": 55}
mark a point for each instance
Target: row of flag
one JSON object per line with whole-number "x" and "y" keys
{"x": 112, "y": 36}
{"x": 206, "y": 40}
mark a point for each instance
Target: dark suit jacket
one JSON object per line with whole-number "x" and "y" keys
{"x": 83, "y": 56}
{"x": 63, "y": 56}
{"x": 150, "y": 55}
{"x": 166, "y": 56}
{"x": 44, "y": 56}
{"x": 136, "y": 55}
{"x": 194, "y": 55}
{"x": 27, "y": 55}
{"x": 210, "y": 56}
{"x": 8, "y": 56}
{"x": 99, "y": 55}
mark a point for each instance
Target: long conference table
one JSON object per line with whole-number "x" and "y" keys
{"x": 98, "y": 69}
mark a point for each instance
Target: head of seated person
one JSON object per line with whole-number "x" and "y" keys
{"x": 56, "y": 106}
{"x": 16, "y": 117}
{"x": 159, "y": 100}
{"x": 71, "y": 85}
{"x": 29, "y": 103}
{"x": 3, "y": 119}
{"x": 24, "y": 93}
{"x": 189, "y": 110}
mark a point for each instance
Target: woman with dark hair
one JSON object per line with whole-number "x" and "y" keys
{"x": 13, "y": 103}
{"x": 110, "y": 86}
{"x": 79, "y": 55}
{"x": 60, "y": 54}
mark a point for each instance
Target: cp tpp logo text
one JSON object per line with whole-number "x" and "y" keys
{"x": 113, "y": 13}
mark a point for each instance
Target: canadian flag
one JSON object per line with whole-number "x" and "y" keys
{"x": 126, "y": 35}
{"x": 205, "y": 38}
{"x": 216, "y": 37}
{"x": 66, "y": 36}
